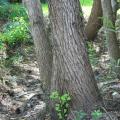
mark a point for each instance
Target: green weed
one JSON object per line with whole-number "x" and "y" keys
{"x": 62, "y": 104}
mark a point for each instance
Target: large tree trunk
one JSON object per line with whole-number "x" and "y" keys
{"x": 94, "y": 22}
{"x": 109, "y": 24}
{"x": 42, "y": 44}
{"x": 72, "y": 71}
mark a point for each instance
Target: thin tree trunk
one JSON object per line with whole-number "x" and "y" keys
{"x": 109, "y": 24}
{"x": 42, "y": 44}
{"x": 95, "y": 21}
{"x": 72, "y": 71}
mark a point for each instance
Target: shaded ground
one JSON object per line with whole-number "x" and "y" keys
{"x": 21, "y": 91}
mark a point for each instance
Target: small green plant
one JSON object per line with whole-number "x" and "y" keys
{"x": 81, "y": 115}
{"x": 92, "y": 54}
{"x": 96, "y": 114}
{"x": 62, "y": 104}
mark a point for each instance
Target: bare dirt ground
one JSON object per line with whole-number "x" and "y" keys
{"x": 21, "y": 91}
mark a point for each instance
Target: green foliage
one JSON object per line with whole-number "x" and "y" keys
{"x": 15, "y": 59}
{"x": 2, "y": 2}
{"x": 80, "y": 115}
{"x": 10, "y": 11}
{"x": 96, "y": 114}
{"x": 15, "y": 32}
{"x": 1, "y": 45}
{"x": 45, "y": 9}
{"x": 108, "y": 24}
{"x": 92, "y": 54}
{"x": 62, "y": 104}
{"x": 86, "y": 2}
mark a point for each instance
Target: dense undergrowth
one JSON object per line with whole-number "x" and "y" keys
{"x": 15, "y": 30}
{"x": 10, "y": 11}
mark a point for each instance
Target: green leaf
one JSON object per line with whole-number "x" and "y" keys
{"x": 96, "y": 114}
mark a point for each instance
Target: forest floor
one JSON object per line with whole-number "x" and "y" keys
{"x": 21, "y": 94}
{"x": 21, "y": 91}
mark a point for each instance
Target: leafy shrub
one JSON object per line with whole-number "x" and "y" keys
{"x": 10, "y": 11}
{"x": 15, "y": 32}
{"x": 96, "y": 114}
{"x": 62, "y": 106}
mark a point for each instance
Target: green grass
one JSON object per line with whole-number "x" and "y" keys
{"x": 86, "y": 2}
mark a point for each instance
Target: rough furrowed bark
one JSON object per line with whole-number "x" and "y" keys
{"x": 42, "y": 44}
{"x": 72, "y": 72}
